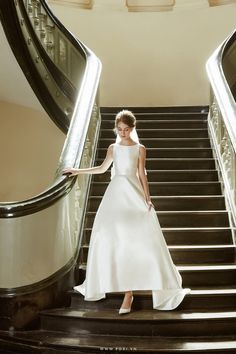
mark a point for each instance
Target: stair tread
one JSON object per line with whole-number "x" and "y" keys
{"x": 194, "y": 292}
{"x": 174, "y": 171}
{"x": 141, "y": 315}
{"x": 162, "y": 120}
{"x": 166, "y": 111}
{"x": 175, "y": 183}
{"x": 161, "y": 129}
{"x": 193, "y": 247}
{"x": 163, "y": 139}
{"x": 170, "y": 149}
{"x": 224, "y": 228}
{"x": 117, "y": 343}
{"x": 174, "y": 159}
{"x": 198, "y": 196}
{"x": 194, "y": 267}
{"x": 183, "y": 212}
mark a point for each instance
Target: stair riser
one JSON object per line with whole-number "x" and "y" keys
{"x": 174, "y": 204}
{"x": 163, "y": 143}
{"x": 158, "y": 124}
{"x": 141, "y": 328}
{"x": 209, "y": 278}
{"x": 195, "y": 303}
{"x": 191, "y": 278}
{"x": 189, "y": 237}
{"x": 169, "y": 176}
{"x": 183, "y": 220}
{"x": 170, "y": 153}
{"x": 165, "y": 189}
{"x": 177, "y": 164}
{"x": 162, "y": 133}
{"x": 207, "y": 256}
{"x": 142, "y": 113}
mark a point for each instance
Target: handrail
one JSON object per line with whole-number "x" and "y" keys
{"x": 222, "y": 123}
{"x": 222, "y": 92}
{"x": 76, "y": 137}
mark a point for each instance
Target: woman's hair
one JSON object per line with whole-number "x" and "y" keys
{"x": 126, "y": 117}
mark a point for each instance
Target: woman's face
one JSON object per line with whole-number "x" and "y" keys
{"x": 123, "y": 130}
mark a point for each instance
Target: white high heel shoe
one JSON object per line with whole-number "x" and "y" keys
{"x": 124, "y": 311}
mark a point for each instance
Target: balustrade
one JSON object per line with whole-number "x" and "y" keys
{"x": 58, "y": 48}
{"x": 48, "y": 226}
{"x": 222, "y": 120}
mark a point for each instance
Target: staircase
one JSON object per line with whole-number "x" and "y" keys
{"x": 187, "y": 194}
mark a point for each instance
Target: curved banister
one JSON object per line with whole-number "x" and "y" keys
{"x": 222, "y": 121}
{"x": 12, "y": 24}
{"x": 221, "y": 88}
{"x": 44, "y": 232}
{"x": 83, "y": 106}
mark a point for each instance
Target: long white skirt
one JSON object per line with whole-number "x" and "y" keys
{"x": 128, "y": 251}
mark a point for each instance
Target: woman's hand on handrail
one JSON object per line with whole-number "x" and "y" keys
{"x": 70, "y": 172}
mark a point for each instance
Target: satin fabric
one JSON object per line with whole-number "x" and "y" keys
{"x": 127, "y": 248}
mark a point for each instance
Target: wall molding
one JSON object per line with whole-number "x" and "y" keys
{"x": 84, "y": 4}
{"x": 150, "y": 5}
{"x": 220, "y": 2}
{"x": 147, "y": 5}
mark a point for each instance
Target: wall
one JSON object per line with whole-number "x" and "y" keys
{"x": 14, "y": 87}
{"x": 30, "y": 146}
{"x": 155, "y": 58}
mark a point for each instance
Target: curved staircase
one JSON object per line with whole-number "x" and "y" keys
{"x": 191, "y": 208}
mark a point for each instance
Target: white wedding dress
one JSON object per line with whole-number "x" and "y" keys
{"x": 127, "y": 249}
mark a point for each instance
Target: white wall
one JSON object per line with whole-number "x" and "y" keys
{"x": 155, "y": 58}
{"x": 13, "y": 85}
{"x": 30, "y": 147}
{"x": 30, "y": 143}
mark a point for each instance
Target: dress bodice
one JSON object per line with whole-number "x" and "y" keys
{"x": 125, "y": 159}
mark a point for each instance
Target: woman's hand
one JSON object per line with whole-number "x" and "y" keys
{"x": 70, "y": 172}
{"x": 149, "y": 203}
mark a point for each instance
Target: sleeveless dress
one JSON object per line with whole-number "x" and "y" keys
{"x": 127, "y": 248}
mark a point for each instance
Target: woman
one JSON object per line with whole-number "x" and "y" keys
{"x": 127, "y": 249}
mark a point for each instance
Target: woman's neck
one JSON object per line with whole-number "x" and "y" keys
{"x": 127, "y": 142}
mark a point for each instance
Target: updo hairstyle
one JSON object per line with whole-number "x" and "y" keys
{"x": 126, "y": 117}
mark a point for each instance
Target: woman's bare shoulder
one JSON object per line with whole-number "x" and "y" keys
{"x": 142, "y": 147}
{"x": 110, "y": 147}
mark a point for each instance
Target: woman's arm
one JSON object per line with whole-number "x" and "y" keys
{"x": 142, "y": 175}
{"x": 93, "y": 170}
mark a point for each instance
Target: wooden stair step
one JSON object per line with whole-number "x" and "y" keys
{"x": 170, "y": 153}
{"x": 163, "y": 142}
{"x": 169, "y": 175}
{"x": 165, "y": 110}
{"x": 67, "y": 343}
{"x": 180, "y": 203}
{"x": 176, "y": 163}
{"x": 142, "y": 113}
{"x": 170, "y": 188}
{"x": 196, "y": 236}
{"x": 218, "y": 254}
{"x": 215, "y": 218}
{"x": 197, "y": 300}
{"x": 176, "y": 111}
{"x": 192, "y": 275}
{"x": 161, "y": 124}
{"x": 140, "y": 323}
{"x": 160, "y": 133}
{"x": 190, "y": 236}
